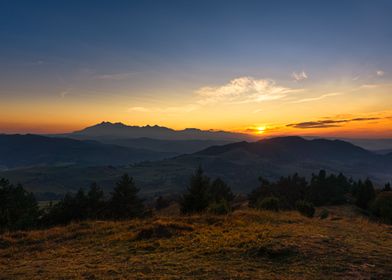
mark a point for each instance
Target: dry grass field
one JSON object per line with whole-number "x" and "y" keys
{"x": 247, "y": 244}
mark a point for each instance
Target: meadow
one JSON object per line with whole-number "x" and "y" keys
{"x": 246, "y": 244}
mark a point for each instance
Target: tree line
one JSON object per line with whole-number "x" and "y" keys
{"x": 20, "y": 210}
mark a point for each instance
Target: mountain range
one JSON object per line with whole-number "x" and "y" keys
{"x": 57, "y": 165}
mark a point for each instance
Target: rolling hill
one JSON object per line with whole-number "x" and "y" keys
{"x": 17, "y": 151}
{"x": 240, "y": 164}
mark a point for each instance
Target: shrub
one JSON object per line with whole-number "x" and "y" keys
{"x": 269, "y": 203}
{"x": 161, "y": 203}
{"x": 382, "y": 207}
{"x": 219, "y": 190}
{"x": 220, "y": 208}
{"x": 324, "y": 214}
{"x": 305, "y": 208}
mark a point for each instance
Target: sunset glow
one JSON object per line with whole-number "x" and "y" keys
{"x": 252, "y": 79}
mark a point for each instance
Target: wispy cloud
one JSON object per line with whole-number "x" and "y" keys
{"x": 115, "y": 76}
{"x": 310, "y": 99}
{"x": 139, "y": 109}
{"x": 329, "y": 123}
{"x": 244, "y": 90}
{"x": 299, "y": 76}
{"x": 380, "y": 73}
{"x": 64, "y": 93}
{"x": 176, "y": 109}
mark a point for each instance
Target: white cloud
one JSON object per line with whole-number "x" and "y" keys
{"x": 244, "y": 90}
{"x": 139, "y": 109}
{"x": 380, "y": 73}
{"x": 299, "y": 76}
{"x": 316, "y": 98}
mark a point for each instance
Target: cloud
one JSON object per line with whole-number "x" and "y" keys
{"x": 316, "y": 98}
{"x": 179, "y": 109}
{"x": 244, "y": 90}
{"x": 115, "y": 76}
{"x": 139, "y": 109}
{"x": 329, "y": 123}
{"x": 299, "y": 76}
{"x": 380, "y": 73}
{"x": 64, "y": 93}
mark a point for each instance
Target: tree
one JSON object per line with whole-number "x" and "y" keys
{"x": 125, "y": 203}
{"x": 18, "y": 208}
{"x": 387, "y": 187}
{"x": 263, "y": 191}
{"x": 196, "y": 199}
{"x": 365, "y": 194}
{"x": 382, "y": 206}
{"x": 219, "y": 191}
{"x": 95, "y": 201}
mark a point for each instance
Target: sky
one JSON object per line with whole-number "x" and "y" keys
{"x": 260, "y": 67}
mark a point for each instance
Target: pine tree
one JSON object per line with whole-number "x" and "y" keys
{"x": 95, "y": 201}
{"x": 196, "y": 199}
{"x": 365, "y": 194}
{"x": 125, "y": 203}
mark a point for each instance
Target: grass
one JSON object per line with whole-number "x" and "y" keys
{"x": 247, "y": 244}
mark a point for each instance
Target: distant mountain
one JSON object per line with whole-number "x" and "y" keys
{"x": 296, "y": 148}
{"x": 240, "y": 164}
{"x": 374, "y": 144}
{"x": 108, "y": 130}
{"x": 30, "y": 150}
{"x": 173, "y": 146}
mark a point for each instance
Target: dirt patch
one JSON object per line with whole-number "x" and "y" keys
{"x": 161, "y": 230}
{"x": 273, "y": 251}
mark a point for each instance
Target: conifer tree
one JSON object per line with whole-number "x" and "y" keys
{"x": 196, "y": 199}
{"x": 124, "y": 202}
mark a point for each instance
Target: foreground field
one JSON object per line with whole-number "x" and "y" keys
{"x": 244, "y": 245}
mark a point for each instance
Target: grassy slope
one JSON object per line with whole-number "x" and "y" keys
{"x": 245, "y": 245}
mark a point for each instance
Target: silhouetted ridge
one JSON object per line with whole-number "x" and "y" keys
{"x": 27, "y": 150}
{"x": 119, "y": 130}
{"x": 294, "y": 147}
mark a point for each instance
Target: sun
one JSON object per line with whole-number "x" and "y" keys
{"x": 260, "y": 129}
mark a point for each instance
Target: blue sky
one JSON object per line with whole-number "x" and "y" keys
{"x": 160, "y": 51}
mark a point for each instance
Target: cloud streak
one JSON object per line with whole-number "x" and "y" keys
{"x": 329, "y": 123}
{"x": 244, "y": 90}
{"x": 310, "y": 99}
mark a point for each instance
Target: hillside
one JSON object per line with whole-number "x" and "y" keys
{"x": 176, "y": 147}
{"x": 30, "y": 150}
{"x": 244, "y": 245}
{"x": 240, "y": 164}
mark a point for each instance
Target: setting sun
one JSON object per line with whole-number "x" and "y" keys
{"x": 260, "y": 129}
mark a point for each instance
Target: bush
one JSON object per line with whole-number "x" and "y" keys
{"x": 324, "y": 214}
{"x": 220, "y": 208}
{"x": 382, "y": 206}
{"x": 305, "y": 208}
{"x": 269, "y": 203}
